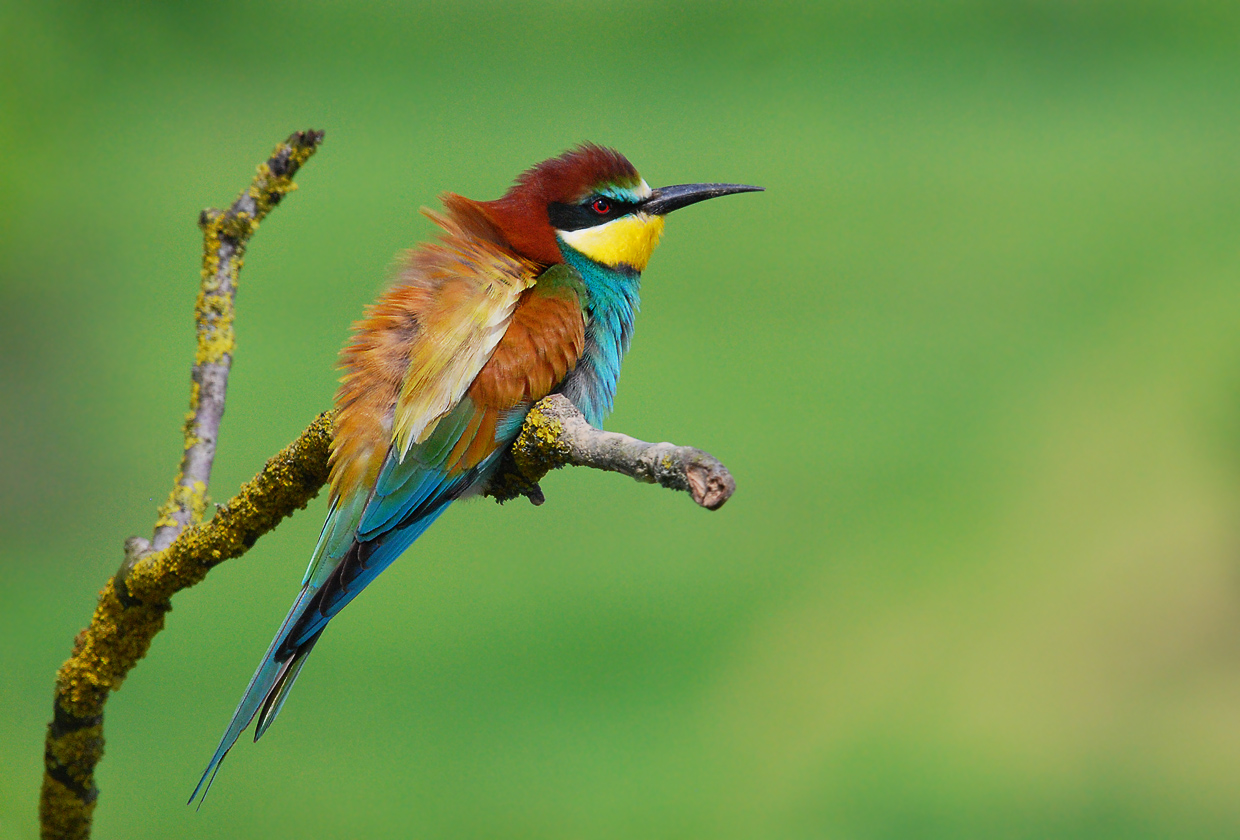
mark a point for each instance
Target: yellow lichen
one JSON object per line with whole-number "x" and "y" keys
{"x": 538, "y": 449}
{"x": 63, "y": 815}
{"x": 69, "y": 749}
{"x": 286, "y": 483}
{"x": 168, "y": 508}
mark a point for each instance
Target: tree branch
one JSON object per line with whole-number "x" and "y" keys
{"x": 225, "y": 236}
{"x": 126, "y": 619}
{"x": 556, "y": 434}
{"x": 134, "y": 602}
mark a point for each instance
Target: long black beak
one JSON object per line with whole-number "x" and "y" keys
{"x": 666, "y": 199}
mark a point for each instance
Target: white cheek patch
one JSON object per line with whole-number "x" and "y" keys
{"x": 628, "y": 194}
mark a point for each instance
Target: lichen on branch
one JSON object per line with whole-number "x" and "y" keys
{"x": 225, "y": 235}
{"x": 556, "y": 434}
{"x": 128, "y": 615}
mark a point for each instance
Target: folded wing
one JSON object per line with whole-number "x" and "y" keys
{"x": 409, "y": 438}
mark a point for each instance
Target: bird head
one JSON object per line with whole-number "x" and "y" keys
{"x": 591, "y": 200}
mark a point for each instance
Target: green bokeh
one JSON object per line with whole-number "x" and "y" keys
{"x": 973, "y": 358}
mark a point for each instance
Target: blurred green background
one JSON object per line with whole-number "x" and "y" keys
{"x": 974, "y": 359}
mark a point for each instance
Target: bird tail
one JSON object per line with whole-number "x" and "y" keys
{"x": 266, "y": 693}
{"x": 274, "y": 701}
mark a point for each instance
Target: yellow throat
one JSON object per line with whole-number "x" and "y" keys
{"x": 627, "y": 241}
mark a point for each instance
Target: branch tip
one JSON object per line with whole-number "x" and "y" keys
{"x": 556, "y": 434}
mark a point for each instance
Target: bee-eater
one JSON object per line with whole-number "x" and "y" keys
{"x": 527, "y": 295}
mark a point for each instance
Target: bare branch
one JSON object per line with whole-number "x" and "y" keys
{"x": 128, "y": 615}
{"x": 225, "y": 236}
{"x": 556, "y": 434}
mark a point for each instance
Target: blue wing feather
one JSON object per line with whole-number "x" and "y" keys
{"x": 409, "y": 496}
{"x": 384, "y": 512}
{"x": 260, "y": 685}
{"x": 369, "y": 528}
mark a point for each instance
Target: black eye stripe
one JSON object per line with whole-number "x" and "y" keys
{"x": 578, "y": 216}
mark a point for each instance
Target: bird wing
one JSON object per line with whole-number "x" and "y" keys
{"x": 542, "y": 340}
{"x": 422, "y": 343}
{"x": 439, "y": 374}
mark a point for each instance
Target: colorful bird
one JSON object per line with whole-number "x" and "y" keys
{"x": 527, "y": 295}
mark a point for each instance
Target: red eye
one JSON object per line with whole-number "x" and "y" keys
{"x": 601, "y": 206}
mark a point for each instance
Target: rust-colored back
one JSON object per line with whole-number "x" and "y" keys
{"x": 543, "y": 337}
